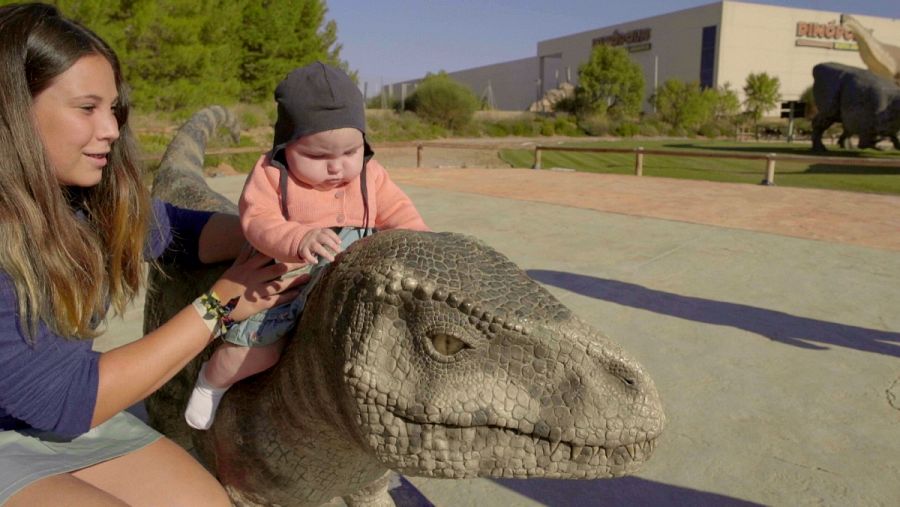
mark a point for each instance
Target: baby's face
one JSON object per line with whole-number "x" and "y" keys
{"x": 326, "y": 160}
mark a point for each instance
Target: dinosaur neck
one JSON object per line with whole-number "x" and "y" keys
{"x": 296, "y": 434}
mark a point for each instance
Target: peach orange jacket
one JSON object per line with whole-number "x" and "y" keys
{"x": 267, "y": 229}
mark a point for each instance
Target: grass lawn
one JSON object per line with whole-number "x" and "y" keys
{"x": 788, "y": 174}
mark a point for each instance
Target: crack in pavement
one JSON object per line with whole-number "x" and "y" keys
{"x": 893, "y": 394}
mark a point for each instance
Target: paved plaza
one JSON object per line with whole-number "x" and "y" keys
{"x": 767, "y": 316}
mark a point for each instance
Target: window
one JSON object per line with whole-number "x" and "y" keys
{"x": 708, "y": 57}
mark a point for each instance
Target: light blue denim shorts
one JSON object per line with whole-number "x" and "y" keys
{"x": 266, "y": 328}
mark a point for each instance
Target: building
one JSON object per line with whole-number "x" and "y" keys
{"x": 712, "y": 44}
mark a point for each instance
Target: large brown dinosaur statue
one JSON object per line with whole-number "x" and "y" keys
{"x": 428, "y": 354}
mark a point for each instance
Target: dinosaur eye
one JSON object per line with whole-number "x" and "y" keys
{"x": 446, "y": 344}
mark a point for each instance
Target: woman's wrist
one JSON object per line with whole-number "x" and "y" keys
{"x": 215, "y": 314}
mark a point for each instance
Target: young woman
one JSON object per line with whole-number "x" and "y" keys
{"x": 75, "y": 223}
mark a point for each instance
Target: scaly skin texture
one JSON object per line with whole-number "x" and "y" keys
{"x": 429, "y": 354}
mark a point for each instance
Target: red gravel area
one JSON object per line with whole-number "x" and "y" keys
{"x": 869, "y": 220}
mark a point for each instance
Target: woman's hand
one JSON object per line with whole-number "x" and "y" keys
{"x": 257, "y": 281}
{"x": 319, "y": 243}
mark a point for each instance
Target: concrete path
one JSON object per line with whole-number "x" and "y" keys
{"x": 767, "y": 316}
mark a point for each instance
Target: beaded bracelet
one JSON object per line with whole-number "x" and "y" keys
{"x": 215, "y": 315}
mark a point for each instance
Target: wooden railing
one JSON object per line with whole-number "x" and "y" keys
{"x": 639, "y": 154}
{"x": 769, "y": 158}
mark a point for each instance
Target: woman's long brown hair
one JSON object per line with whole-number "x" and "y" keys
{"x": 70, "y": 252}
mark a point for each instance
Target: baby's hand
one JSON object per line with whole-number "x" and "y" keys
{"x": 319, "y": 243}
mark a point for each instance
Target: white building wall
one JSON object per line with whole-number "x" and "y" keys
{"x": 674, "y": 52}
{"x": 508, "y": 82}
{"x": 751, "y": 38}
{"x": 761, "y": 38}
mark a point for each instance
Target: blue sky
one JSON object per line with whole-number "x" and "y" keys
{"x": 395, "y": 40}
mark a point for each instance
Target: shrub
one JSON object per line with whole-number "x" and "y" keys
{"x": 400, "y": 127}
{"x": 443, "y": 101}
{"x": 710, "y": 130}
{"x": 648, "y": 129}
{"x": 626, "y": 130}
{"x": 684, "y": 104}
{"x": 564, "y": 126}
{"x": 595, "y": 125}
{"x": 678, "y": 132}
{"x": 547, "y": 128}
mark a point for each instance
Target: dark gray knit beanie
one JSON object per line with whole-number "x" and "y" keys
{"x": 316, "y": 98}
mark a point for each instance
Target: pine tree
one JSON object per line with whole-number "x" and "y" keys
{"x": 278, "y": 36}
{"x": 180, "y": 54}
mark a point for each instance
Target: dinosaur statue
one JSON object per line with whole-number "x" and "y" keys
{"x": 882, "y": 59}
{"x": 864, "y": 103}
{"x": 429, "y": 354}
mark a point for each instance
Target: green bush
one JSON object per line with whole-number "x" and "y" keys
{"x": 404, "y": 126}
{"x": 564, "y": 126}
{"x": 678, "y": 132}
{"x": 626, "y": 130}
{"x": 710, "y": 130}
{"x": 152, "y": 142}
{"x": 648, "y": 129}
{"x": 547, "y": 128}
{"x": 250, "y": 119}
{"x": 523, "y": 127}
{"x": 560, "y": 125}
{"x": 441, "y": 100}
{"x": 595, "y": 125}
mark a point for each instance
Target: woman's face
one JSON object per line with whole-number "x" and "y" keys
{"x": 76, "y": 120}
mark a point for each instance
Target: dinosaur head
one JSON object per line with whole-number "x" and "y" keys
{"x": 448, "y": 361}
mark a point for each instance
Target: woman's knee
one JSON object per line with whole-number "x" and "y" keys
{"x": 168, "y": 475}
{"x": 63, "y": 489}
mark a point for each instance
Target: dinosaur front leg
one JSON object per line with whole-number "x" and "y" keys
{"x": 373, "y": 495}
{"x": 819, "y": 126}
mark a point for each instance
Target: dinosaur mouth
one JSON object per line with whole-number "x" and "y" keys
{"x": 500, "y": 451}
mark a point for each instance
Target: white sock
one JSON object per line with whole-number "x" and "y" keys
{"x": 201, "y": 408}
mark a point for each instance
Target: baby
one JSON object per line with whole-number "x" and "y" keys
{"x": 315, "y": 193}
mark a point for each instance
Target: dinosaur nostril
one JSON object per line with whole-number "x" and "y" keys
{"x": 626, "y": 373}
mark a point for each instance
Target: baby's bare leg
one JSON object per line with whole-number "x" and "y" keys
{"x": 231, "y": 363}
{"x": 228, "y": 364}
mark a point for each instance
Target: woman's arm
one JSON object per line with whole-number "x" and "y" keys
{"x": 221, "y": 239}
{"x": 133, "y": 371}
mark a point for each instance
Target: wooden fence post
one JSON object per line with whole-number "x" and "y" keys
{"x": 537, "y": 157}
{"x": 418, "y": 156}
{"x": 770, "y": 170}
{"x": 639, "y": 161}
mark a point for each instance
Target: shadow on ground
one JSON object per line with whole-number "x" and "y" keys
{"x": 627, "y": 491}
{"x": 778, "y": 326}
